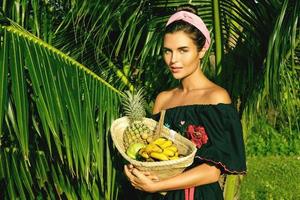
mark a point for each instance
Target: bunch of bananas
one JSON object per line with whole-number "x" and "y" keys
{"x": 159, "y": 150}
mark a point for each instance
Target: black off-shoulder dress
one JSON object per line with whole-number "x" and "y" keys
{"x": 216, "y": 130}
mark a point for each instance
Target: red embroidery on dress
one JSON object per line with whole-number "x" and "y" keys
{"x": 221, "y": 164}
{"x": 197, "y": 135}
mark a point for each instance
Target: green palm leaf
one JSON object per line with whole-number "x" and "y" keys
{"x": 52, "y": 109}
{"x": 3, "y": 78}
{"x": 254, "y": 55}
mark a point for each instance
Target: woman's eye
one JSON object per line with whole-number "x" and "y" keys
{"x": 166, "y": 51}
{"x": 183, "y": 51}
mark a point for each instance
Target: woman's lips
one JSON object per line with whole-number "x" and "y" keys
{"x": 175, "y": 69}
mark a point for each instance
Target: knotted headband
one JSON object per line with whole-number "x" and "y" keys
{"x": 194, "y": 20}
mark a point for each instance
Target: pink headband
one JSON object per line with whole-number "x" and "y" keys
{"x": 194, "y": 20}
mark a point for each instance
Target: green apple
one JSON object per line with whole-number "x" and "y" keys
{"x": 133, "y": 150}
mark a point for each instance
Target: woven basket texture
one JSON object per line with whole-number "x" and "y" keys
{"x": 162, "y": 169}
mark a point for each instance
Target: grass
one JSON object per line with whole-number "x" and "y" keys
{"x": 272, "y": 178}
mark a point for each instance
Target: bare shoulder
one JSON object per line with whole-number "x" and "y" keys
{"x": 161, "y": 100}
{"x": 218, "y": 95}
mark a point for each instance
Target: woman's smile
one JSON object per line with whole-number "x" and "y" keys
{"x": 175, "y": 69}
{"x": 181, "y": 54}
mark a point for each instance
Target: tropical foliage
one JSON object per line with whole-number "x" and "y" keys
{"x": 55, "y": 112}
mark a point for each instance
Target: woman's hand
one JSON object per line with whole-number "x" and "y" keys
{"x": 199, "y": 175}
{"x": 144, "y": 181}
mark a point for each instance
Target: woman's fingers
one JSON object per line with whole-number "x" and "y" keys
{"x": 140, "y": 180}
{"x": 151, "y": 176}
{"x": 137, "y": 173}
{"x": 147, "y": 173}
{"x": 130, "y": 166}
{"x": 132, "y": 172}
{"x": 128, "y": 173}
{"x": 137, "y": 178}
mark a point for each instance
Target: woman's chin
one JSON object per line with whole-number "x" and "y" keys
{"x": 177, "y": 76}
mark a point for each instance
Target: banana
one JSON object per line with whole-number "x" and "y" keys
{"x": 172, "y": 148}
{"x": 160, "y": 149}
{"x": 159, "y": 140}
{"x": 173, "y": 158}
{"x": 168, "y": 152}
{"x": 143, "y": 153}
{"x": 166, "y": 144}
{"x": 159, "y": 156}
{"x": 150, "y": 160}
{"x": 153, "y": 148}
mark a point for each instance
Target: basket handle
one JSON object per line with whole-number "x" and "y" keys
{"x": 160, "y": 122}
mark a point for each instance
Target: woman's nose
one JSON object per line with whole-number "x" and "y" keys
{"x": 173, "y": 58}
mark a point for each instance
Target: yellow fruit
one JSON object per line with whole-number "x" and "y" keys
{"x": 144, "y": 154}
{"x": 172, "y": 148}
{"x": 159, "y": 140}
{"x": 168, "y": 152}
{"x": 153, "y": 148}
{"x": 150, "y": 160}
{"x": 133, "y": 150}
{"x": 173, "y": 158}
{"x": 159, "y": 156}
{"x": 166, "y": 144}
{"x": 133, "y": 105}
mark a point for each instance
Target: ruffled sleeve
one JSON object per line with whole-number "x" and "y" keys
{"x": 217, "y": 132}
{"x": 225, "y": 146}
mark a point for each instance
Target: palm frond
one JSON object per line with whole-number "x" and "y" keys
{"x": 59, "y": 109}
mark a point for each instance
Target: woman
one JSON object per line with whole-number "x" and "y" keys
{"x": 200, "y": 110}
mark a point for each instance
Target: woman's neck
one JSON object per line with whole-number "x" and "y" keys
{"x": 195, "y": 81}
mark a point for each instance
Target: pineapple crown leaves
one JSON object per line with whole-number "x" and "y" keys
{"x": 134, "y": 104}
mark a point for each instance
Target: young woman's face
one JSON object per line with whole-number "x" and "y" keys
{"x": 181, "y": 54}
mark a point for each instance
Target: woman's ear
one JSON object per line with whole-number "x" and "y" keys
{"x": 202, "y": 52}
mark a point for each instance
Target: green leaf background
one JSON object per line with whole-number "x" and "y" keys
{"x": 65, "y": 64}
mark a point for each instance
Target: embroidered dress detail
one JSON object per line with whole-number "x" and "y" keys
{"x": 217, "y": 132}
{"x": 167, "y": 125}
{"x": 197, "y": 135}
{"x": 225, "y": 169}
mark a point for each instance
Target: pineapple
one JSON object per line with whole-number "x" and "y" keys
{"x": 137, "y": 131}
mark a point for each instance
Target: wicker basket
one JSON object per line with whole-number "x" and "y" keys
{"x": 162, "y": 169}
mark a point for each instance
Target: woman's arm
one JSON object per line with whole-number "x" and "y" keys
{"x": 199, "y": 175}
